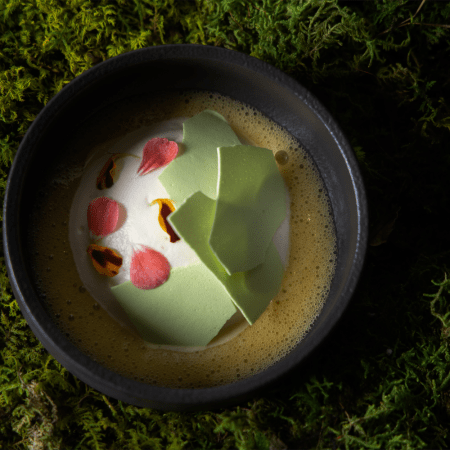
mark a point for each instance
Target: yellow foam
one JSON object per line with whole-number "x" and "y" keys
{"x": 286, "y": 320}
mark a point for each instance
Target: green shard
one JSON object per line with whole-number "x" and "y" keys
{"x": 189, "y": 309}
{"x": 250, "y": 206}
{"x": 196, "y": 169}
{"x": 250, "y": 291}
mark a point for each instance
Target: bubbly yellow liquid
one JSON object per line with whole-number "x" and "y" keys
{"x": 286, "y": 320}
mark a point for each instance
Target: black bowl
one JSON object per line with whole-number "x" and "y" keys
{"x": 188, "y": 67}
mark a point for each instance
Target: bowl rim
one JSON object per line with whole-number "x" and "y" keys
{"x": 93, "y": 373}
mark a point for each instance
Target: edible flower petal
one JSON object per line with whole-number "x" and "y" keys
{"x": 103, "y": 216}
{"x": 105, "y": 179}
{"x": 149, "y": 268}
{"x": 106, "y": 261}
{"x": 158, "y": 152}
{"x": 166, "y": 207}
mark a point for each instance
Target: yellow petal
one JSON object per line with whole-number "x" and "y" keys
{"x": 105, "y": 260}
{"x": 108, "y": 173}
{"x": 166, "y": 207}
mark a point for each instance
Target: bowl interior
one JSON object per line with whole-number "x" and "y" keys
{"x": 186, "y": 67}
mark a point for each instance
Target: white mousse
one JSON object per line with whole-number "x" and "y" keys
{"x": 138, "y": 222}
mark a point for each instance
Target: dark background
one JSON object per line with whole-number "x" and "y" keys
{"x": 383, "y": 70}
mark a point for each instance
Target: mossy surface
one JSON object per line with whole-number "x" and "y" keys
{"x": 382, "y": 69}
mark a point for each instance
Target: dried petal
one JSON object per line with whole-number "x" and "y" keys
{"x": 158, "y": 152}
{"x": 149, "y": 268}
{"x": 102, "y": 216}
{"x": 166, "y": 207}
{"x": 106, "y": 177}
{"x": 106, "y": 261}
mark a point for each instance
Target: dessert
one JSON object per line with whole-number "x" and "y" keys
{"x": 219, "y": 204}
{"x": 243, "y": 350}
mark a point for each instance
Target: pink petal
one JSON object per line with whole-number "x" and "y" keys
{"x": 102, "y": 216}
{"x": 158, "y": 152}
{"x": 149, "y": 268}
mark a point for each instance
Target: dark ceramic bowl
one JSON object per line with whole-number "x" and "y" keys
{"x": 202, "y": 68}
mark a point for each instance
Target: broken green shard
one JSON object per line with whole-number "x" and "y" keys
{"x": 250, "y": 206}
{"x": 189, "y": 309}
{"x": 196, "y": 169}
{"x": 250, "y": 291}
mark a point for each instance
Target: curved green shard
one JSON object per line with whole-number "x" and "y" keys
{"x": 196, "y": 169}
{"x": 188, "y": 310}
{"x": 250, "y": 291}
{"x": 250, "y": 206}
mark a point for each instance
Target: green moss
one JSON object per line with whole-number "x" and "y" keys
{"x": 382, "y": 69}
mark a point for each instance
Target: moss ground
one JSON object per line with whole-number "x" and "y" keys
{"x": 383, "y": 69}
